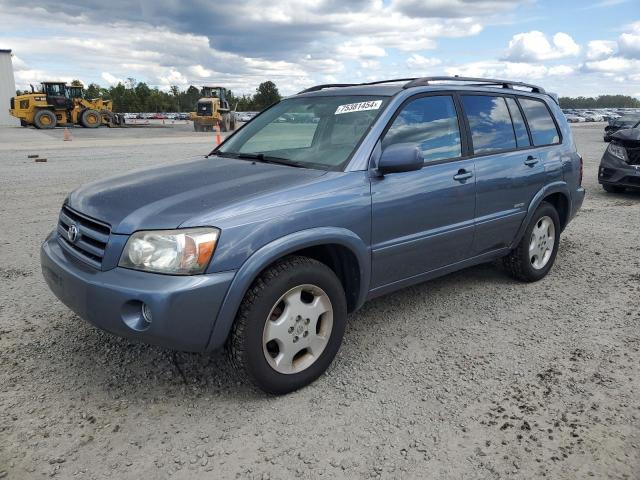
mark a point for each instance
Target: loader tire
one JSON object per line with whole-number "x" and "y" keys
{"x": 91, "y": 118}
{"x": 45, "y": 119}
{"x": 233, "y": 122}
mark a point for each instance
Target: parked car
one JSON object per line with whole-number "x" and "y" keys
{"x": 592, "y": 116}
{"x": 626, "y": 121}
{"x": 574, "y": 118}
{"x": 620, "y": 163}
{"x": 267, "y": 244}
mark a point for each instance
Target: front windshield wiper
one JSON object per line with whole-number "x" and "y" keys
{"x": 261, "y": 157}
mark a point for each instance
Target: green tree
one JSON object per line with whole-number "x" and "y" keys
{"x": 266, "y": 94}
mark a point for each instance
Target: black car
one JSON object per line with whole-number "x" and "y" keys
{"x": 620, "y": 164}
{"x": 626, "y": 121}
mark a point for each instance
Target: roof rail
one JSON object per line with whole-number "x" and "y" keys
{"x": 424, "y": 81}
{"x": 341, "y": 85}
{"x": 476, "y": 82}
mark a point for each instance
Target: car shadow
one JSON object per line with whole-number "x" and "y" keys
{"x": 136, "y": 371}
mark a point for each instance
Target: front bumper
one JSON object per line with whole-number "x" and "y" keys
{"x": 613, "y": 171}
{"x": 184, "y": 308}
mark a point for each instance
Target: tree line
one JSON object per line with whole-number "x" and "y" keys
{"x": 134, "y": 96}
{"x": 603, "y": 101}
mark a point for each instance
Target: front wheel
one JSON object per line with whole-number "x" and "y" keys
{"x": 90, "y": 118}
{"x": 289, "y": 326}
{"x": 534, "y": 256}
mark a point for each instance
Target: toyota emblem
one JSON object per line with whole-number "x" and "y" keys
{"x": 72, "y": 233}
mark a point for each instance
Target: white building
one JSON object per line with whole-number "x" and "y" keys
{"x": 7, "y": 88}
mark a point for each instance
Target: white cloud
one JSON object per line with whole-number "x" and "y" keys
{"x": 534, "y": 46}
{"x": 111, "y": 79}
{"x": 417, "y": 61}
{"x": 614, "y": 65}
{"x": 517, "y": 71}
{"x": 629, "y": 42}
{"x": 598, "y": 49}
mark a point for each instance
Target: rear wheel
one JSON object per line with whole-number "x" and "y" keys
{"x": 289, "y": 326}
{"x": 91, "y": 118}
{"x": 612, "y": 188}
{"x": 534, "y": 256}
{"x": 233, "y": 122}
{"x": 45, "y": 119}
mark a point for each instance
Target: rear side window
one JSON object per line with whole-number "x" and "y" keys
{"x": 490, "y": 123}
{"x": 519, "y": 127}
{"x": 543, "y": 128}
{"x": 431, "y": 123}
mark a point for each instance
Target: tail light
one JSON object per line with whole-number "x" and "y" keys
{"x": 581, "y": 170}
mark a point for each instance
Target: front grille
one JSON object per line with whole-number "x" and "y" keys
{"x": 92, "y": 237}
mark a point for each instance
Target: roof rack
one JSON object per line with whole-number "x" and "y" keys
{"x": 476, "y": 82}
{"x": 425, "y": 81}
{"x": 341, "y": 85}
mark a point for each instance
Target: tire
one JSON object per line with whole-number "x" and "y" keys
{"x": 233, "y": 122}
{"x": 264, "y": 363}
{"x": 91, "y": 118}
{"x": 528, "y": 261}
{"x": 45, "y": 119}
{"x": 612, "y": 188}
{"x": 23, "y": 123}
{"x": 195, "y": 127}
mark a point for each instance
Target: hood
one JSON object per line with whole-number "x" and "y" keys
{"x": 627, "y": 135}
{"x": 166, "y": 197}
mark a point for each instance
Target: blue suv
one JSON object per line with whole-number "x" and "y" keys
{"x": 323, "y": 201}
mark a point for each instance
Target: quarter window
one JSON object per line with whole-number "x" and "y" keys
{"x": 431, "y": 123}
{"x": 520, "y": 129}
{"x": 490, "y": 123}
{"x": 543, "y": 128}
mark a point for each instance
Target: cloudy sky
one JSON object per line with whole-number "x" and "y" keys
{"x": 583, "y": 47}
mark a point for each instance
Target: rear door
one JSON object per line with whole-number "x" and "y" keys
{"x": 423, "y": 220}
{"x": 508, "y": 171}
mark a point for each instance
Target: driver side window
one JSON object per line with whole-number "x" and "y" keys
{"x": 431, "y": 123}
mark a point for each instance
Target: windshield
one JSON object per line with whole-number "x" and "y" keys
{"x": 628, "y": 120}
{"x": 315, "y": 132}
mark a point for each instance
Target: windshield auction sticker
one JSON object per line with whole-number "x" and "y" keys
{"x": 358, "y": 107}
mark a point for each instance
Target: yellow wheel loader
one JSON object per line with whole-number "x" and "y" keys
{"x": 213, "y": 109}
{"x": 60, "y": 105}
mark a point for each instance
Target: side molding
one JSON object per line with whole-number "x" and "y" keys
{"x": 272, "y": 252}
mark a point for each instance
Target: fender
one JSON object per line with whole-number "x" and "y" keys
{"x": 271, "y": 252}
{"x": 551, "y": 188}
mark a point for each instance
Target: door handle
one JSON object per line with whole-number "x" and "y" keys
{"x": 531, "y": 161}
{"x": 462, "y": 175}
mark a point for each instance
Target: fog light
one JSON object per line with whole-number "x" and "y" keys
{"x": 146, "y": 313}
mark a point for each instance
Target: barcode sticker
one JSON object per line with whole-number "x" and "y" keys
{"x": 358, "y": 107}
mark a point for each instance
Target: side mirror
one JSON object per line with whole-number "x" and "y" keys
{"x": 401, "y": 157}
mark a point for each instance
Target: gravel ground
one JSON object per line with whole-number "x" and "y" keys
{"x": 470, "y": 376}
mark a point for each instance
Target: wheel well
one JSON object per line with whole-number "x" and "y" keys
{"x": 344, "y": 264}
{"x": 561, "y": 204}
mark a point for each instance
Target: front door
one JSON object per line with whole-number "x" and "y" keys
{"x": 423, "y": 220}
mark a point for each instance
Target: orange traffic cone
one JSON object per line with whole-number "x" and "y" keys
{"x": 67, "y": 135}
{"x": 218, "y": 133}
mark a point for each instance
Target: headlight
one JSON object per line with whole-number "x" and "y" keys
{"x": 178, "y": 252}
{"x": 617, "y": 151}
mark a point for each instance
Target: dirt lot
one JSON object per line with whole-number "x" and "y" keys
{"x": 469, "y": 376}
